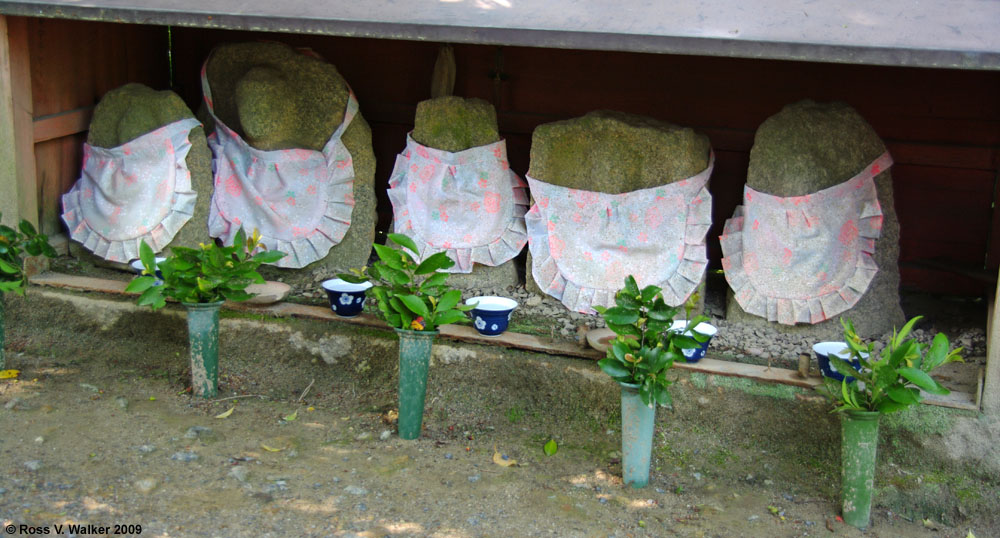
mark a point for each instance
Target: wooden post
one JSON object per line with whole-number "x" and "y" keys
{"x": 991, "y": 381}
{"x": 18, "y": 186}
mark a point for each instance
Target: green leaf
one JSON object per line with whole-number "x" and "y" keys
{"x": 404, "y": 241}
{"x": 661, "y": 395}
{"x": 649, "y": 292}
{"x": 27, "y": 228}
{"x": 631, "y": 287}
{"x": 140, "y": 284}
{"x": 619, "y": 349}
{"x": 450, "y": 316}
{"x": 903, "y": 395}
{"x": 550, "y": 447}
{"x": 842, "y": 367}
{"x": 613, "y": 368}
{"x": 448, "y": 300}
{"x": 152, "y": 297}
{"x": 389, "y": 256}
{"x": 624, "y": 299}
{"x": 269, "y": 256}
{"x": 434, "y": 262}
{"x": 11, "y": 285}
{"x": 9, "y": 268}
{"x": 433, "y": 281}
{"x": 621, "y": 316}
{"x": 891, "y": 406}
{"x": 937, "y": 353}
{"x": 415, "y": 304}
{"x": 901, "y": 336}
{"x": 625, "y": 330}
{"x": 920, "y": 378}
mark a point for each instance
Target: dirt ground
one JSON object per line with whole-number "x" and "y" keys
{"x": 99, "y": 429}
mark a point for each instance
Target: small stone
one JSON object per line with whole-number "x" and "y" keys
{"x": 534, "y": 300}
{"x": 146, "y": 485}
{"x": 473, "y": 521}
{"x": 385, "y": 435}
{"x": 146, "y": 449}
{"x": 33, "y": 465}
{"x": 448, "y": 456}
{"x": 697, "y": 476}
{"x": 768, "y": 482}
{"x": 753, "y": 518}
{"x": 603, "y": 500}
{"x": 364, "y": 436}
{"x": 122, "y": 402}
{"x": 474, "y": 478}
{"x": 240, "y": 473}
{"x": 3, "y": 490}
{"x": 749, "y": 478}
{"x": 184, "y": 456}
{"x": 361, "y": 507}
{"x": 356, "y": 490}
{"x": 39, "y": 440}
{"x": 195, "y": 432}
{"x": 703, "y": 401}
{"x": 88, "y": 386}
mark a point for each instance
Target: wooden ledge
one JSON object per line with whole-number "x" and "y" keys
{"x": 463, "y": 333}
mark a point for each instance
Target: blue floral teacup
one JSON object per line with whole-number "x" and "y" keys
{"x": 491, "y": 314}
{"x": 346, "y": 299}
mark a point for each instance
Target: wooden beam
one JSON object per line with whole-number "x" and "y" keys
{"x": 18, "y": 185}
{"x": 62, "y": 124}
{"x": 463, "y": 333}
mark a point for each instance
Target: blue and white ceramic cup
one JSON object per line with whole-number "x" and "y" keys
{"x": 823, "y": 350}
{"x": 137, "y": 266}
{"x": 697, "y": 353}
{"x": 346, "y": 299}
{"x": 491, "y": 314}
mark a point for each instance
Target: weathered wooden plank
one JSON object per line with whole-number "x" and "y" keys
{"x": 82, "y": 283}
{"x": 62, "y": 124}
{"x": 18, "y": 191}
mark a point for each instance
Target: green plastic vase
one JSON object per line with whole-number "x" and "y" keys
{"x": 414, "y": 361}
{"x": 637, "y": 436}
{"x": 859, "y": 444}
{"x": 203, "y": 341}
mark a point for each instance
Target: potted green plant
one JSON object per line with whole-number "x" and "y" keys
{"x": 888, "y": 383}
{"x": 414, "y": 300}
{"x": 14, "y": 244}
{"x": 202, "y": 279}
{"x": 638, "y": 360}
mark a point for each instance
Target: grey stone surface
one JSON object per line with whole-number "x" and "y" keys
{"x": 455, "y": 124}
{"x": 278, "y": 98}
{"x": 807, "y": 147}
{"x": 128, "y": 112}
{"x": 614, "y": 152}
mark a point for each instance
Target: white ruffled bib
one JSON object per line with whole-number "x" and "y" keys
{"x": 468, "y": 204}
{"x": 804, "y": 259}
{"x": 138, "y": 191}
{"x": 583, "y": 244}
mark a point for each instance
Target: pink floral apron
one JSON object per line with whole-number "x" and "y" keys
{"x": 583, "y": 244}
{"x": 468, "y": 204}
{"x": 299, "y": 199}
{"x": 804, "y": 259}
{"x": 138, "y": 191}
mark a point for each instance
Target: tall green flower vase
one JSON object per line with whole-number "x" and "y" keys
{"x": 414, "y": 361}
{"x": 637, "y": 436}
{"x": 203, "y": 341}
{"x": 859, "y": 443}
{"x": 3, "y": 331}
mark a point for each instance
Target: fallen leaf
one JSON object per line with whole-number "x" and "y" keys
{"x": 9, "y": 374}
{"x": 502, "y": 459}
{"x": 292, "y": 417}
{"x": 829, "y": 525}
{"x": 227, "y": 413}
{"x": 551, "y": 447}
{"x": 931, "y": 524}
{"x": 269, "y": 449}
{"x": 970, "y": 535}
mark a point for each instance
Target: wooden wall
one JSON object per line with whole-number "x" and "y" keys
{"x": 942, "y": 126}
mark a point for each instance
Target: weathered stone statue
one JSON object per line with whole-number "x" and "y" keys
{"x": 808, "y": 147}
{"x": 466, "y": 130}
{"x": 274, "y": 97}
{"x": 127, "y": 125}
{"x": 655, "y": 230}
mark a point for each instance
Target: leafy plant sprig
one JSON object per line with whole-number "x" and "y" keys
{"x": 645, "y": 347}
{"x": 411, "y": 295}
{"x": 203, "y": 275}
{"x": 893, "y": 381}
{"x": 14, "y": 243}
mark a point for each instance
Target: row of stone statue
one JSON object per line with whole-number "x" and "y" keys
{"x": 607, "y": 194}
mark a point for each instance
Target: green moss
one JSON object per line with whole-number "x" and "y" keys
{"x": 455, "y": 124}
{"x": 128, "y": 112}
{"x": 614, "y": 152}
{"x": 922, "y": 420}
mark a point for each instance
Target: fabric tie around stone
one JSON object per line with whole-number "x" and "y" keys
{"x": 140, "y": 190}
{"x": 583, "y": 244}
{"x": 804, "y": 259}
{"x": 300, "y": 200}
{"x": 468, "y": 204}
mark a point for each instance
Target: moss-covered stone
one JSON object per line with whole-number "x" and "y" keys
{"x": 278, "y": 98}
{"x": 128, "y": 112}
{"x": 807, "y": 147}
{"x": 455, "y": 123}
{"x": 614, "y": 152}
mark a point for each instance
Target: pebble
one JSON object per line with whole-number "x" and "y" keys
{"x": 356, "y": 490}
{"x": 195, "y": 432}
{"x": 39, "y": 440}
{"x": 3, "y": 490}
{"x": 448, "y": 456}
{"x": 697, "y": 476}
{"x": 603, "y": 500}
{"x": 768, "y": 482}
{"x": 184, "y": 456}
{"x": 474, "y": 478}
{"x": 146, "y": 485}
{"x": 385, "y": 435}
{"x": 122, "y": 402}
{"x": 88, "y": 386}
{"x": 361, "y": 507}
{"x": 239, "y": 473}
{"x": 363, "y": 436}
{"x": 753, "y": 518}
{"x": 146, "y": 449}
{"x": 534, "y": 300}
{"x": 33, "y": 465}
